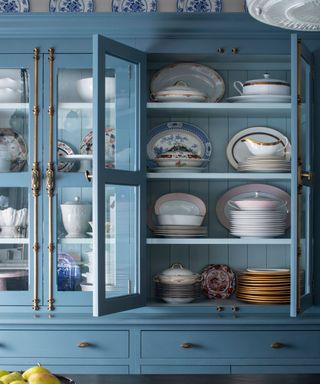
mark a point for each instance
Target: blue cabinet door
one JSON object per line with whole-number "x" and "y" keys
{"x": 119, "y": 181}
{"x": 302, "y": 191}
{"x": 20, "y": 232}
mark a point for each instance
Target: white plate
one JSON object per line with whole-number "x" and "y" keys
{"x": 200, "y": 6}
{"x": 181, "y": 204}
{"x": 14, "y": 6}
{"x": 237, "y": 151}
{"x": 248, "y": 191}
{"x": 71, "y": 6}
{"x": 134, "y": 6}
{"x": 198, "y": 76}
{"x": 259, "y": 99}
{"x": 179, "y": 98}
{"x": 291, "y": 14}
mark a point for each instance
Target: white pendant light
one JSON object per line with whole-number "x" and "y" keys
{"x": 303, "y": 15}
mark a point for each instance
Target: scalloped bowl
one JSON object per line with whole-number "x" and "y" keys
{"x": 85, "y": 89}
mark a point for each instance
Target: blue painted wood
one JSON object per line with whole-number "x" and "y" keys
{"x": 184, "y": 369}
{"x": 101, "y": 48}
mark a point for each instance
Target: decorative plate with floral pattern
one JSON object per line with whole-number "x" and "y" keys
{"x": 199, "y": 6}
{"x": 134, "y": 5}
{"x": 14, "y": 6}
{"x": 16, "y": 146}
{"x": 218, "y": 281}
{"x": 71, "y": 6}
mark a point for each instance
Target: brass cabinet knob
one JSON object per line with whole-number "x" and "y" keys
{"x": 186, "y": 345}
{"x": 277, "y": 345}
{"x": 84, "y": 344}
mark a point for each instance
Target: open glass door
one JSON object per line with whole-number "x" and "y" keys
{"x": 302, "y": 191}
{"x": 118, "y": 177}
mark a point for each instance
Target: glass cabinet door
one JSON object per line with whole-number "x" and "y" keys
{"x": 301, "y": 267}
{"x": 70, "y": 267}
{"x": 18, "y": 284}
{"x": 119, "y": 181}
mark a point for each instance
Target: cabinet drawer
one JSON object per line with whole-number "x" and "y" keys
{"x": 230, "y": 344}
{"x": 96, "y": 344}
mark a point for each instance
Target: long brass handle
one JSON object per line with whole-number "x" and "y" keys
{"x": 84, "y": 344}
{"x": 277, "y": 345}
{"x": 186, "y": 345}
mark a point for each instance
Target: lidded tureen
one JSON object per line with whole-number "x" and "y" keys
{"x": 265, "y": 86}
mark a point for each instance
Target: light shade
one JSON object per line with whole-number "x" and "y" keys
{"x": 303, "y": 15}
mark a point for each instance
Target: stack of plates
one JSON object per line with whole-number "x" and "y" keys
{"x": 259, "y": 218}
{"x": 264, "y": 286}
{"x": 178, "y": 293}
{"x": 265, "y": 164}
{"x": 180, "y": 231}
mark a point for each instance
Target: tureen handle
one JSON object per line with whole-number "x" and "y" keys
{"x": 235, "y": 85}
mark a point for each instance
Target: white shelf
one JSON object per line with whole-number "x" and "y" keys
{"x": 224, "y": 241}
{"x": 219, "y": 176}
{"x": 82, "y": 105}
{"x": 13, "y": 240}
{"x": 6, "y": 106}
{"x": 219, "y": 109}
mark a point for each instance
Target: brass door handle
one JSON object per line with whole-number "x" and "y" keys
{"x": 84, "y": 344}
{"x": 88, "y": 176}
{"x": 186, "y": 345}
{"x": 277, "y": 345}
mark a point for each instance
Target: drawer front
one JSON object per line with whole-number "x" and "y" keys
{"x": 230, "y": 344}
{"x": 95, "y": 344}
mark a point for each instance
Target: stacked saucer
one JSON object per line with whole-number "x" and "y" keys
{"x": 258, "y": 217}
{"x": 264, "y": 286}
{"x": 177, "y": 285}
{"x": 269, "y": 163}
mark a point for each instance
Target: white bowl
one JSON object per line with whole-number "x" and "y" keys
{"x": 258, "y": 204}
{"x": 8, "y": 82}
{"x": 180, "y": 220}
{"x": 8, "y": 95}
{"x": 85, "y": 88}
{"x": 11, "y": 217}
{"x": 179, "y": 279}
{"x": 180, "y": 162}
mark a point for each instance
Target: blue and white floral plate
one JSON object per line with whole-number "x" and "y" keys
{"x": 199, "y": 6}
{"x": 71, "y": 6}
{"x": 167, "y": 136}
{"x": 14, "y": 6}
{"x": 134, "y": 5}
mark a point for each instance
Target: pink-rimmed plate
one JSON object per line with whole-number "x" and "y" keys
{"x": 16, "y": 146}
{"x": 110, "y": 145}
{"x": 218, "y": 281}
{"x": 64, "y": 150}
{"x": 180, "y": 203}
{"x": 249, "y": 191}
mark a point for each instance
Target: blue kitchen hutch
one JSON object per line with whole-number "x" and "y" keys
{"x": 60, "y": 169}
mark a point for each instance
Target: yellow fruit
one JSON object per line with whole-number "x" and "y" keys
{"x": 43, "y": 378}
{"x": 18, "y": 382}
{"x": 13, "y": 376}
{"x": 36, "y": 369}
{"x": 3, "y": 373}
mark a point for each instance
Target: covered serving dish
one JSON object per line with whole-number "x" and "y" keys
{"x": 180, "y": 91}
{"x": 265, "y": 86}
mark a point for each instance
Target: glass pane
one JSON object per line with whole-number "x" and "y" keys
{"x": 121, "y": 233}
{"x": 14, "y": 266}
{"x": 121, "y": 114}
{"x": 74, "y": 120}
{"x": 14, "y": 107}
{"x": 74, "y": 238}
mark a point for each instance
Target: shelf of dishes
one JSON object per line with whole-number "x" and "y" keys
{"x": 218, "y": 176}
{"x": 219, "y": 109}
{"x": 217, "y": 241}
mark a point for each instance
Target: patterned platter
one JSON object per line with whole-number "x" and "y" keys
{"x": 14, "y": 6}
{"x": 134, "y": 5}
{"x": 63, "y": 150}
{"x": 218, "y": 281}
{"x": 16, "y": 146}
{"x": 71, "y": 6}
{"x": 110, "y": 146}
{"x": 179, "y": 135}
{"x": 199, "y": 6}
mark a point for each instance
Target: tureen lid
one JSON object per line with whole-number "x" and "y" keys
{"x": 76, "y": 201}
{"x": 183, "y": 88}
{"x": 177, "y": 269}
{"x": 266, "y": 80}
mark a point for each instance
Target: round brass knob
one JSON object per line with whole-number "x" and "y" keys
{"x": 186, "y": 345}
{"x": 277, "y": 345}
{"x": 84, "y": 344}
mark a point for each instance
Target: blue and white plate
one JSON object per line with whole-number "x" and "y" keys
{"x": 14, "y": 6}
{"x": 134, "y": 5}
{"x": 167, "y": 136}
{"x": 71, "y": 6}
{"x": 199, "y": 6}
